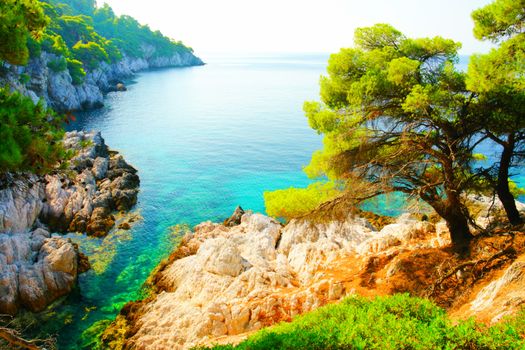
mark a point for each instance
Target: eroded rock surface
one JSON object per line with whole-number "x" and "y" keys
{"x": 58, "y": 90}
{"x": 224, "y": 281}
{"x": 35, "y": 268}
{"x": 82, "y": 198}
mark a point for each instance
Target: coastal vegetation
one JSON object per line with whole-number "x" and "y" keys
{"x": 80, "y": 37}
{"x": 398, "y": 116}
{"x": 30, "y": 135}
{"x": 497, "y": 79}
{"x": 20, "y": 22}
{"x": 393, "y": 322}
{"x": 79, "y": 32}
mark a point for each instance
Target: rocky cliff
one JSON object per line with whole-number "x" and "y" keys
{"x": 36, "y": 267}
{"x": 223, "y": 282}
{"x": 58, "y": 90}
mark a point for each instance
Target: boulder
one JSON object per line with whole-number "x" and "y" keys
{"x": 121, "y": 87}
{"x": 20, "y": 202}
{"x": 101, "y": 222}
{"x": 33, "y": 281}
{"x": 235, "y": 219}
{"x": 100, "y": 167}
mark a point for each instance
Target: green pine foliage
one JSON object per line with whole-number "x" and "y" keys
{"x": 81, "y": 21}
{"x": 393, "y": 322}
{"x": 76, "y": 70}
{"x": 293, "y": 202}
{"x": 91, "y": 54}
{"x": 78, "y": 31}
{"x": 30, "y": 135}
{"x": 132, "y": 38}
{"x": 20, "y": 22}
{"x": 58, "y": 64}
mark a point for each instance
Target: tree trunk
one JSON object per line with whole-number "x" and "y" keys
{"x": 502, "y": 186}
{"x": 451, "y": 211}
{"x": 458, "y": 227}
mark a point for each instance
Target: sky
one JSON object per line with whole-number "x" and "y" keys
{"x": 324, "y": 26}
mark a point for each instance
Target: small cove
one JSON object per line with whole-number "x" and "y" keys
{"x": 204, "y": 139}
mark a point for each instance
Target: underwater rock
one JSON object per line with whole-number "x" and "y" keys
{"x": 121, "y": 87}
{"x": 101, "y": 222}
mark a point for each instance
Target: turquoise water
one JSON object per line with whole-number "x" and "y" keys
{"x": 204, "y": 140}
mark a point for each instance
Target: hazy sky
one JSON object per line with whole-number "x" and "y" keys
{"x": 298, "y": 25}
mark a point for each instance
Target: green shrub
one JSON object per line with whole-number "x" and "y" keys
{"x": 24, "y": 78}
{"x": 30, "y": 135}
{"x": 58, "y": 64}
{"x": 395, "y": 322}
{"x": 19, "y": 20}
{"x": 34, "y": 47}
{"x": 91, "y": 54}
{"x": 76, "y": 71}
{"x": 294, "y": 202}
{"x": 55, "y": 44}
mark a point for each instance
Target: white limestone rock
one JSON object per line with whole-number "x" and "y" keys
{"x": 35, "y": 280}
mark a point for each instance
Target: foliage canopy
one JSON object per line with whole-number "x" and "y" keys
{"x": 396, "y": 114}
{"x": 498, "y": 79}
{"x": 30, "y": 135}
{"x": 20, "y": 21}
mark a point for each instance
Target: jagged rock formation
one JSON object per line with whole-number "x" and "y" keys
{"x": 225, "y": 281}
{"x": 35, "y": 268}
{"x": 82, "y": 198}
{"x": 235, "y": 218}
{"x": 59, "y": 92}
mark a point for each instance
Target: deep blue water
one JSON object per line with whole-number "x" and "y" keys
{"x": 204, "y": 139}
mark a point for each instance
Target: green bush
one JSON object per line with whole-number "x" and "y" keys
{"x": 58, "y": 64}
{"x": 29, "y": 135}
{"x": 34, "y": 47}
{"x": 91, "y": 54}
{"x": 24, "y": 78}
{"x": 395, "y": 322}
{"x": 76, "y": 71}
{"x": 54, "y": 44}
{"x": 294, "y": 202}
{"x": 19, "y": 20}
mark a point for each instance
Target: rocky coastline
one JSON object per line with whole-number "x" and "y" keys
{"x": 37, "y": 267}
{"x": 225, "y": 281}
{"x": 58, "y": 91}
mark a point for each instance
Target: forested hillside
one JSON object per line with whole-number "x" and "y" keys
{"x": 79, "y": 32}
{"x": 69, "y": 52}
{"x": 63, "y": 55}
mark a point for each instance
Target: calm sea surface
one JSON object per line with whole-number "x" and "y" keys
{"x": 204, "y": 140}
